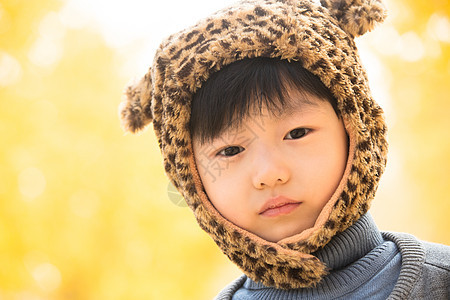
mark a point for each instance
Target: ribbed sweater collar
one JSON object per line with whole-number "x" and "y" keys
{"x": 352, "y": 244}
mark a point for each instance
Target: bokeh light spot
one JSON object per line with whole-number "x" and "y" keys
{"x": 47, "y": 49}
{"x": 386, "y": 40}
{"x": 47, "y": 276}
{"x": 45, "y": 52}
{"x": 52, "y": 27}
{"x": 411, "y": 47}
{"x": 438, "y": 27}
{"x": 10, "y": 70}
{"x": 31, "y": 182}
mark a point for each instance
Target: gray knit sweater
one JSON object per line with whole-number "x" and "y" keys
{"x": 406, "y": 267}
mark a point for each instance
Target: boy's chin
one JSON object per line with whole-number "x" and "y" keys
{"x": 276, "y": 236}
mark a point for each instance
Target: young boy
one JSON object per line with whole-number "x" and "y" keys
{"x": 265, "y": 119}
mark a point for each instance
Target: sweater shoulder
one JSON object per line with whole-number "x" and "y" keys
{"x": 425, "y": 272}
{"x": 435, "y": 277}
{"x": 437, "y": 255}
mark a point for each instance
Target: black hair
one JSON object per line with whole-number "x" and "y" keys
{"x": 246, "y": 86}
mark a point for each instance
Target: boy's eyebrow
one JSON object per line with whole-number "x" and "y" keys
{"x": 298, "y": 102}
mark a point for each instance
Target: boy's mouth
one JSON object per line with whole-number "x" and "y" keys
{"x": 277, "y": 206}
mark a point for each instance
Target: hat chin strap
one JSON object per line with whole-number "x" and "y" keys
{"x": 286, "y": 264}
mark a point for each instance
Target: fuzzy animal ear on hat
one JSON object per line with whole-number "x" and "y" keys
{"x": 356, "y": 17}
{"x": 135, "y": 110}
{"x": 321, "y": 38}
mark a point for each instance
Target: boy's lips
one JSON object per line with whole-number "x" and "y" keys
{"x": 278, "y": 205}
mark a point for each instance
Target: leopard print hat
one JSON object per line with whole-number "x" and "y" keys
{"x": 321, "y": 37}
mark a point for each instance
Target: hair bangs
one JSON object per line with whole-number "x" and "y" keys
{"x": 246, "y": 87}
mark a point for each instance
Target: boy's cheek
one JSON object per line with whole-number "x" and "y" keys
{"x": 211, "y": 170}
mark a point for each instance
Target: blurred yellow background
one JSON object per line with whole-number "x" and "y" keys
{"x": 84, "y": 209}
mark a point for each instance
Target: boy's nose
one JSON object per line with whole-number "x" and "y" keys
{"x": 270, "y": 170}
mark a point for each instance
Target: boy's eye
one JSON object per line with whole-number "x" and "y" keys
{"x": 296, "y": 133}
{"x": 230, "y": 151}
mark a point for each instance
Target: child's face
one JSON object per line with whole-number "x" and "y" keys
{"x": 273, "y": 175}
